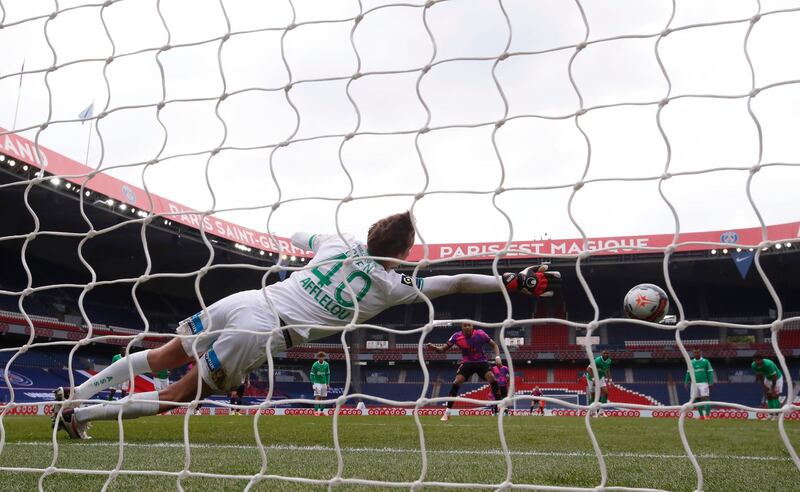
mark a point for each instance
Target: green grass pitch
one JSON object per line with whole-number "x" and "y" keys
{"x": 734, "y": 455}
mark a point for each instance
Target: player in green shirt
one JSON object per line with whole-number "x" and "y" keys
{"x": 123, "y": 387}
{"x": 603, "y": 363}
{"x": 320, "y": 379}
{"x": 160, "y": 379}
{"x": 704, "y": 377}
{"x": 770, "y": 375}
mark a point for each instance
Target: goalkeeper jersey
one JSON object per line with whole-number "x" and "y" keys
{"x": 703, "y": 372}
{"x": 768, "y": 369}
{"x": 161, "y": 374}
{"x": 319, "y": 295}
{"x": 321, "y": 373}
{"x": 603, "y": 367}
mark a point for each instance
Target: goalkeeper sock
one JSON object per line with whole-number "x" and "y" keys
{"x": 453, "y": 392}
{"x": 136, "y": 408}
{"x": 113, "y": 375}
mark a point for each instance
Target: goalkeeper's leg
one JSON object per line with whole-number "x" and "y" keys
{"x": 221, "y": 368}
{"x": 142, "y": 404}
{"x": 175, "y": 353}
{"x": 168, "y": 356}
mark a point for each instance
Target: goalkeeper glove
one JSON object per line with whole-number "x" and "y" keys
{"x": 533, "y": 281}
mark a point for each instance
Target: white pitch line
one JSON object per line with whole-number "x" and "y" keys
{"x": 289, "y": 447}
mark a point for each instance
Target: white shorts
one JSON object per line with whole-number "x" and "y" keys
{"x": 122, "y": 386}
{"x": 590, "y": 384}
{"x": 778, "y": 385}
{"x": 228, "y": 355}
{"x": 160, "y": 384}
{"x": 702, "y": 389}
{"x": 321, "y": 390}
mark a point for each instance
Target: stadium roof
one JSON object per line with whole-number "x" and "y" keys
{"x": 133, "y": 202}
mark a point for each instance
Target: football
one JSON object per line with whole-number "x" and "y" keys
{"x": 646, "y": 302}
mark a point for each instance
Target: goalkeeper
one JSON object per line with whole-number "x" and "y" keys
{"x": 344, "y": 272}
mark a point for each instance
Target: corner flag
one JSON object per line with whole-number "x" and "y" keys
{"x": 86, "y": 113}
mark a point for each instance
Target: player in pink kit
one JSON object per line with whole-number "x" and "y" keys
{"x": 501, "y": 375}
{"x": 473, "y": 359}
{"x": 539, "y": 411}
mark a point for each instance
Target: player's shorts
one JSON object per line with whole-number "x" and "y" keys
{"x": 503, "y": 391}
{"x": 601, "y": 383}
{"x": 467, "y": 369}
{"x": 702, "y": 389}
{"x": 321, "y": 389}
{"x": 160, "y": 384}
{"x": 122, "y": 386}
{"x": 228, "y": 354}
{"x": 778, "y": 385}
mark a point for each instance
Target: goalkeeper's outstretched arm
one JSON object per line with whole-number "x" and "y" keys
{"x": 533, "y": 281}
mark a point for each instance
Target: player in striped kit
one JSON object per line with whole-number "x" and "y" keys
{"x": 704, "y": 377}
{"x": 501, "y": 375}
{"x": 473, "y": 360}
{"x": 539, "y": 410}
{"x": 343, "y": 272}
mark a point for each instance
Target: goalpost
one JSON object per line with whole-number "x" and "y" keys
{"x": 265, "y": 92}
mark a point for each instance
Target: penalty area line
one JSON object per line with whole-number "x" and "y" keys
{"x": 470, "y": 452}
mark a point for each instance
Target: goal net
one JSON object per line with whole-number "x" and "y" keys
{"x": 211, "y": 130}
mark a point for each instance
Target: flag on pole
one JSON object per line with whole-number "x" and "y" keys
{"x": 21, "y": 71}
{"x": 19, "y": 93}
{"x": 86, "y": 113}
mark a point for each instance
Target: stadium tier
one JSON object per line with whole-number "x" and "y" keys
{"x": 33, "y": 375}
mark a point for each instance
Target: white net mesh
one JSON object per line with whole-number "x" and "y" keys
{"x": 339, "y": 113}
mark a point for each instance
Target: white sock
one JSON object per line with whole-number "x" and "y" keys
{"x": 109, "y": 411}
{"x": 116, "y": 373}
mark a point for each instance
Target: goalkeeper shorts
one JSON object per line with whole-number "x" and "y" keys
{"x": 702, "y": 389}
{"x": 227, "y": 353}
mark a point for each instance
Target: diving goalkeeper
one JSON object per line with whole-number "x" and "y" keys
{"x": 281, "y": 315}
